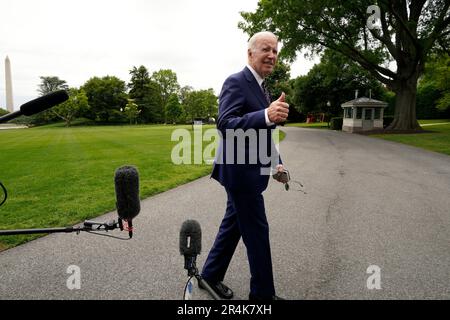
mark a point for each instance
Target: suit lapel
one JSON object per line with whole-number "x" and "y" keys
{"x": 254, "y": 87}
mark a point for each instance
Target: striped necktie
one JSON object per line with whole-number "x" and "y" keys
{"x": 266, "y": 92}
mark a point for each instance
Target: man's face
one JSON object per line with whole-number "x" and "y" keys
{"x": 264, "y": 56}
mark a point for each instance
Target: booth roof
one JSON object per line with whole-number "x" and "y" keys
{"x": 365, "y": 102}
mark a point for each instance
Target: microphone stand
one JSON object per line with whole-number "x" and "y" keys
{"x": 191, "y": 267}
{"x": 88, "y": 226}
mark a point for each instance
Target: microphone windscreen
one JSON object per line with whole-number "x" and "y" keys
{"x": 126, "y": 182}
{"x": 190, "y": 238}
{"x": 44, "y": 102}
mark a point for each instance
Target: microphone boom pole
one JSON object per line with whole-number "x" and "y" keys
{"x": 87, "y": 226}
{"x": 37, "y": 105}
{"x": 128, "y": 205}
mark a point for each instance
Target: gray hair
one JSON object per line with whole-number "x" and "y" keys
{"x": 257, "y": 36}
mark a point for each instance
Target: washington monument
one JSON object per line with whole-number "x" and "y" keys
{"x": 8, "y": 87}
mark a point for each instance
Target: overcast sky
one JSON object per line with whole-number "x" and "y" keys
{"x": 77, "y": 40}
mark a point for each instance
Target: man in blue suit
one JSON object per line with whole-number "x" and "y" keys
{"x": 247, "y": 114}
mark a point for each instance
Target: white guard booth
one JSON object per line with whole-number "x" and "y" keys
{"x": 363, "y": 114}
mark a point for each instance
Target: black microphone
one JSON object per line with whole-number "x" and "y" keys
{"x": 128, "y": 204}
{"x": 190, "y": 248}
{"x": 37, "y": 105}
{"x": 190, "y": 243}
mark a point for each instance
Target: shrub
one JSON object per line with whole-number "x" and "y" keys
{"x": 3, "y": 112}
{"x": 336, "y": 123}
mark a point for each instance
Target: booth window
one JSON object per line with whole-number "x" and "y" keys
{"x": 358, "y": 113}
{"x": 377, "y": 113}
{"x": 348, "y": 113}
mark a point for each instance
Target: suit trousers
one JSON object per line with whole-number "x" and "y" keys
{"x": 245, "y": 217}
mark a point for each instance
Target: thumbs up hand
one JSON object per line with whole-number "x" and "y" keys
{"x": 278, "y": 110}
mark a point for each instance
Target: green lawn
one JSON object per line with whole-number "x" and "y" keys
{"x": 437, "y": 140}
{"x": 58, "y": 176}
{"x": 316, "y": 125}
{"x": 434, "y": 121}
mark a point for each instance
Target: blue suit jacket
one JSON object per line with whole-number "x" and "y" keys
{"x": 241, "y": 106}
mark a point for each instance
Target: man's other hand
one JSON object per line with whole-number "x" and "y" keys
{"x": 279, "y": 176}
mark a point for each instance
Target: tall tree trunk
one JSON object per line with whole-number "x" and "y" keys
{"x": 405, "y": 105}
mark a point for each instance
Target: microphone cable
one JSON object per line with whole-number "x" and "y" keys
{"x": 107, "y": 235}
{"x": 188, "y": 289}
{"x": 5, "y": 194}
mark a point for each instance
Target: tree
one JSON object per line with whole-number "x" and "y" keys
{"x": 333, "y": 80}
{"x": 3, "y": 112}
{"x": 140, "y": 79}
{"x": 428, "y": 94}
{"x": 73, "y": 107}
{"x": 193, "y": 105}
{"x": 438, "y": 75}
{"x": 308, "y": 92}
{"x": 406, "y": 32}
{"x": 183, "y": 98}
{"x": 443, "y": 73}
{"x": 173, "y": 109}
{"x": 48, "y": 84}
{"x": 210, "y": 101}
{"x": 201, "y": 104}
{"x": 146, "y": 94}
{"x": 132, "y": 111}
{"x": 168, "y": 85}
{"x": 51, "y": 84}
{"x": 184, "y": 93}
{"x": 278, "y": 81}
{"x": 106, "y": 96}
{"x": 151, "y": 105}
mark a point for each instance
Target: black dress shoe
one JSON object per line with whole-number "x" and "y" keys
{"x": 219, "y": 288}
{"x": 259, "y": 298}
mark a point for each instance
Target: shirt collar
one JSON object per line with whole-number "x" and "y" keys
{"x": 256, "y": 75}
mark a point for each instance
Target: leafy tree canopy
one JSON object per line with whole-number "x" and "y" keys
{"x": 404, "y": 32}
